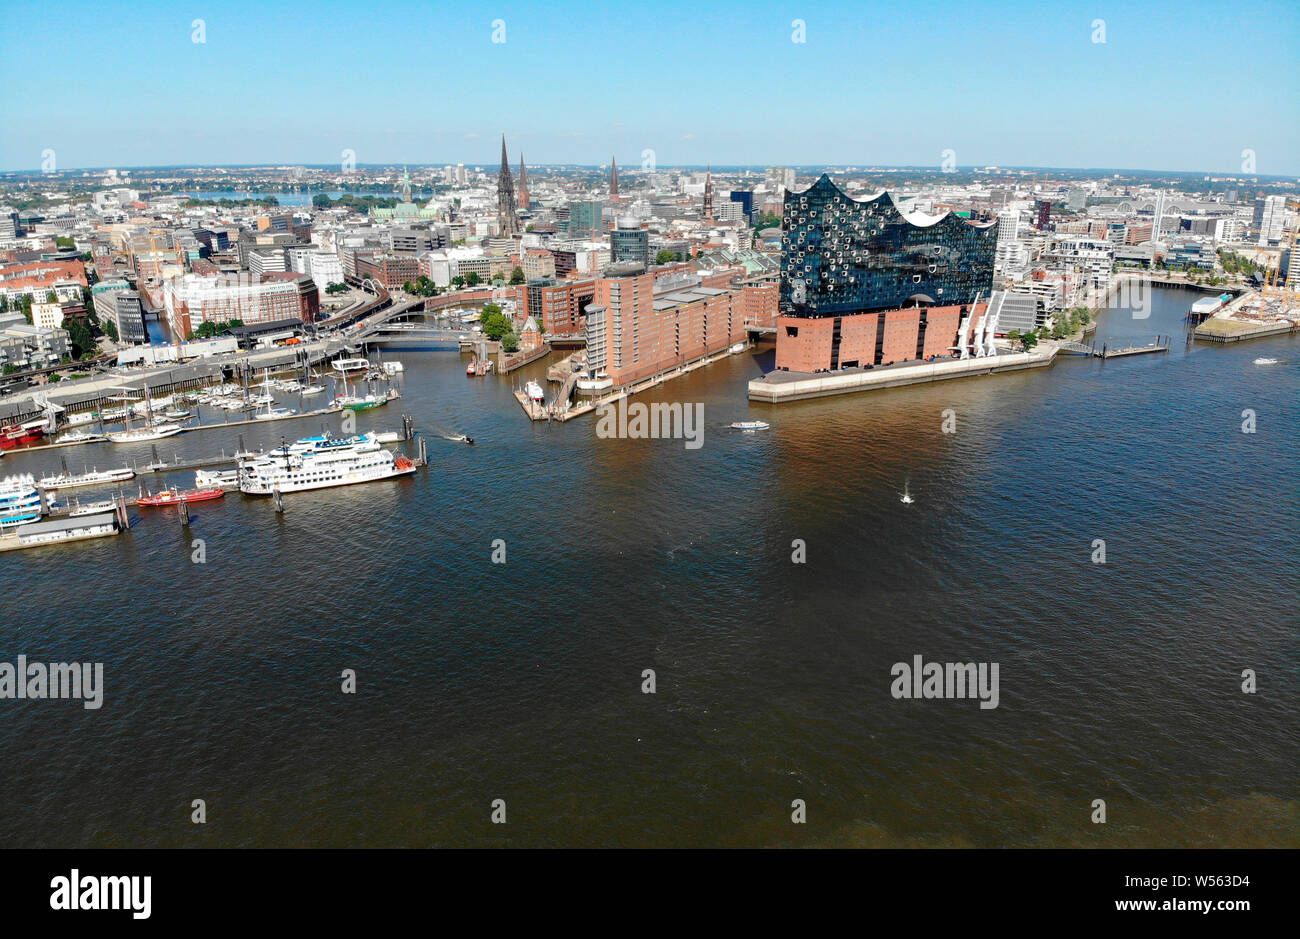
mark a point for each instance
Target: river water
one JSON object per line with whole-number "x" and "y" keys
{"x": 523, "y": 681}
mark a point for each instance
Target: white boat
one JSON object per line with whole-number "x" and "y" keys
{"x": 93, "y": 477}
{"x": 738, "y": 347}
{"x": 1263, "y": 361}
{"x": 751, "y": 425}
{"x": 150, "y": 431}
{"x": 351, "y": 365}
{"x": 394, "y": 367}
{"x": 92, "y": 508}
{"x": 216, "y": 479}
{"x": 534, "y": 391}
{"x": 79, "y": 436}
{"x": 176, "y": 414}
{"x": 321, "y": 467}
{"x": 145, "y": 434}
{"x": 20, "y": 501}
{"x": 310, "y": 390}
{"x": 907, "y": 496}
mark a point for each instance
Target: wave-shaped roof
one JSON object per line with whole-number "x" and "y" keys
{"x": 916, "y": 219}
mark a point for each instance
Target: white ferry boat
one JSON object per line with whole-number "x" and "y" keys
{"x": 534, "y": 391}
{"x": 20, "y": 501}
{"x": 93, "y": 477}
{"x": 333, "y": 463}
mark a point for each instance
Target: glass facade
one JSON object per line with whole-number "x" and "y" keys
{"x": 842, "y": 256}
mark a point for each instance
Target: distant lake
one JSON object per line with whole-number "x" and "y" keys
{"x": 284, "y": 198}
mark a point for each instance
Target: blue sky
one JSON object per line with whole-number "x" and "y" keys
{"x": 1176, "y": 86}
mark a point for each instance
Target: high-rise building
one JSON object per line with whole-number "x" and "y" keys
{"x": 1272, "y": 220}
{"x": 778, "y": 179}
{"x": 1044, "y": 209}
{"x": 585, "y": 217}
{"x": 746, "y": 200}
{"x": 629, "y": 243}
{"x": 507, "y": 214}
{"x": 1008, "y": 226}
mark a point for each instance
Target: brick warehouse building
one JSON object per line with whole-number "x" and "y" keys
{"x": 805, "y": 344}
{"x": 641, "y": 323}
{"x": 863, "y": 284}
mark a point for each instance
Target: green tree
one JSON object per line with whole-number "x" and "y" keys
{"x": 51, "y": 297}
{"x": 665, "y": 257}
{"x": 110, "y": 330}
{"x": 509, "y": 342}
{"x": 1029, "y": 340}
{"x": 321, "y": 201}
{"x": 517, "y": 276}
{"x": 472, "y": 279}
{"x": 63, "y": 241}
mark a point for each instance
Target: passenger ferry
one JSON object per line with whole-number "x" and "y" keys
{"x": 20, "y": 501}
{"x": 316, "y": 464}
{"x": 95, "y": 477}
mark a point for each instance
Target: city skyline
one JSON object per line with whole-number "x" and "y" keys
{"x": 995, "y": 85}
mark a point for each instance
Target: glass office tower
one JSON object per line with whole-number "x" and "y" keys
{"x": 840, "y": 256}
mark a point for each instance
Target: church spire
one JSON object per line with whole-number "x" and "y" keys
{"x": 708, "y": 193}
{"x": 507, "y": 216}
{"x": 613, "y": 180}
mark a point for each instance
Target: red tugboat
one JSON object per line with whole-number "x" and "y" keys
{"x": 17, "y": 435}
{"x": 176, "y": 496}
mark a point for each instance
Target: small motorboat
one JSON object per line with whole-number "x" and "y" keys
{"x": 1263, "y": 361}
{"x": 750, "y": 425}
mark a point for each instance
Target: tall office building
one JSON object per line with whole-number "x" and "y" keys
{"x": 746, "y": 200}
{"x": 1044, "y": 207}
{"x": 1008, "y": 226}
{"x": 585, "y": 217}
{"x": 1272, "y": 219}
{"x": 778, "y": 179}
{"x": 507, "y": 215}
{"x": 629, "y": 243}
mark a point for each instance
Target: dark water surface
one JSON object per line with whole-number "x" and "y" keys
{"x": 522, "y": 681}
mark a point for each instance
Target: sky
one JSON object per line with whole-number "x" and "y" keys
{"x": 1182, "y": 86}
